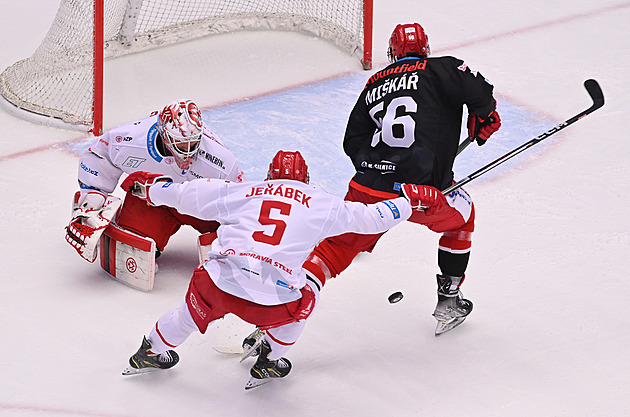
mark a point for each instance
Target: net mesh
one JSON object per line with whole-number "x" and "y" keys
{"x": 57, "y": 80}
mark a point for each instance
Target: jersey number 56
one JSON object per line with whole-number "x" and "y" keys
{"x": 388, "y": 122}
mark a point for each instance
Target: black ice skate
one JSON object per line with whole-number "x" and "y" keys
{"x": 451, "y": 309}
{"x": 249, "y": 347}
{"x": 264, "y": 370}
{"x": 144, "y": 361}
{"x": 252, "y": 344}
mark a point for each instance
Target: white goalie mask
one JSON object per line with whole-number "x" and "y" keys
{"x": 180, "y": 126}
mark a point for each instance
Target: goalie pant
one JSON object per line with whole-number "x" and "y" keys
{"x": 157, "y": 222}
{"x": 206, "y": 303}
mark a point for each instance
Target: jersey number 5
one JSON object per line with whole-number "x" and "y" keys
{"x": 396, "y": 128}
{"x": 265, "y": 219}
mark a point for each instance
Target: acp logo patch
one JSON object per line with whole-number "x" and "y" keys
{"x": 393, "y": 208}
{"x": 131, "y": 265}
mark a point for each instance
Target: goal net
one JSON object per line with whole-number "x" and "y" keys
{"x": 63, "y": 78}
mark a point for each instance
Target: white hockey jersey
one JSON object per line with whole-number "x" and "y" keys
{"x": 268, "y": 228}
{"x": 133, "y": 147}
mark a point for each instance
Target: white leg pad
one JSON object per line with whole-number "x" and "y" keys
{"x": 128, "y": 257}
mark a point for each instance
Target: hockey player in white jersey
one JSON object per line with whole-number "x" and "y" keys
{"x": 173, "y": 142}
{"x": 268, "y": 228}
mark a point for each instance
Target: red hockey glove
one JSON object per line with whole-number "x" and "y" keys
{"x": 481, "y": 129}
{"x": 423, "y": 197}
{"x": 138, "y": 183}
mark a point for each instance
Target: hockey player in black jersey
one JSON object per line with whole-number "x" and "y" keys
{"x": 405, "y": 128}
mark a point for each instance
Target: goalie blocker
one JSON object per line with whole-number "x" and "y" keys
{"x": 130, "y": 258}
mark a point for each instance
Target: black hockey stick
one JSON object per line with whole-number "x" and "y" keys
{"x": 593, "y": 89}
{"x": 463, "y": 145}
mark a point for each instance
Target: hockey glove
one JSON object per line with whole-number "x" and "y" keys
{"x": 481, "y": 129}
{"x": 88, "y": 224}
{"x": 138, "y": 183}
{"x": 423, "y": 197}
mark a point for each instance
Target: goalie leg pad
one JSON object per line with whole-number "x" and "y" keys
{"x": 128, "y": 258}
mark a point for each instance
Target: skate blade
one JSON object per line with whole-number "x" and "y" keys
{"x": 134, "y": 371}
{"x": 251, "y": 350}
{"x": 445, "y": 326}
{"x": 255, "y": 383}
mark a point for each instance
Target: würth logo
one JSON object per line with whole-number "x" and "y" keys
{"x": 131, "y": 264}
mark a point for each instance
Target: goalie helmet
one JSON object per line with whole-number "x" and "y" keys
{"x": 408, "y": 39}
{"x": 180, "y": 126}
{"x": 288, "y": 166}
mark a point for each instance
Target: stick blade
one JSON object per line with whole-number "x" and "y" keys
{"x": 595, "y": 91}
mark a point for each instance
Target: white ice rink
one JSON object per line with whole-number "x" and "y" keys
{"x": 550, "y": 331}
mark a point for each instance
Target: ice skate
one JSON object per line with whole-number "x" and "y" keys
{"x": 252, "y": 344}
{"x": 451, "y": 309}
{"x": 145, "y": 361}
{"x": 264, "y": 370}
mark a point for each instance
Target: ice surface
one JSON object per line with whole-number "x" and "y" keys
{"x": 550, "y": 331}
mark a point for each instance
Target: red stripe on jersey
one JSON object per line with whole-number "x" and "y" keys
{"x": 375, "y": 193}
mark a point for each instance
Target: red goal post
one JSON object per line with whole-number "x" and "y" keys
{"x": 61, "y": 84}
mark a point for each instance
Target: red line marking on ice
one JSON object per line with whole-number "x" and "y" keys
{"x": 60, "y": 145}
{"x": 566, "y": 19}
{"x": 542, "y": 25}
{"x": 555, "y": 22}
{"x": 57, "y": 411}
{"x": 16, "y": 155}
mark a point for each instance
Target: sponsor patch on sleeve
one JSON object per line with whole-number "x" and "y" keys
{"x": 393, "y": 208}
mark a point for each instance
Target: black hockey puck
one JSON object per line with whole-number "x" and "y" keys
{"x": 395, "y": 297}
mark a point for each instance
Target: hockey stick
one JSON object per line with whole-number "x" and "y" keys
{"x": 596, "y": 94}
{"x": 593, "y": 89}
{"x": 463, "y": 145}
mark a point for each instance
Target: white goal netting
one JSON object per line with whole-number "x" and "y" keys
{"x": 58, "y": 79}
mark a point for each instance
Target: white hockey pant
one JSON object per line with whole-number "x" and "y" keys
{"x": 172, "y": 329}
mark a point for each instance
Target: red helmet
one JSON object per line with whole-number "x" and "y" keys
{"x": 181, "y": 126}
{"x": 408, "y": 38}
{"x": 288, "y": 166}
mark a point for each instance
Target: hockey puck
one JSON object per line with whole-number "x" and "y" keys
{"x": 395, "y": 297}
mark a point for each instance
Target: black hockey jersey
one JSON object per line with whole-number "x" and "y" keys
{"x": 406, "y": 124}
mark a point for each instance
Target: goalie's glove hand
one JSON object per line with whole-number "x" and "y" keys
{"x": 480, "y": 129}
{"x": 423, "y": 197}
{"x": 87, "y": 226}
{"x": 138, "y": 183}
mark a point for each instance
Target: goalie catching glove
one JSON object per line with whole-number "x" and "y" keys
{"x": 138, "y": 183}
{"x": 480, "y": 129}
{"x": 89, "y": 220}
{"x": 423, "y": 197}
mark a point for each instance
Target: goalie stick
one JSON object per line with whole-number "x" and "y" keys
{"x": 597, "y": 96}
